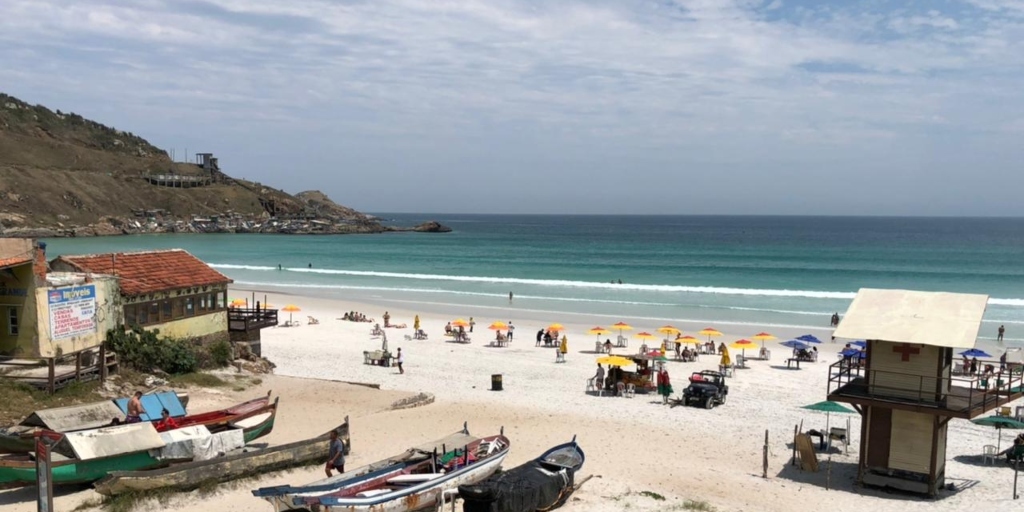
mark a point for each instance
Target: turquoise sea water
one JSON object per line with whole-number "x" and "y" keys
{"x": 763, "y": 271}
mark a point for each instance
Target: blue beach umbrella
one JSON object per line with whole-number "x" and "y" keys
{"x": 861, "y": 344}
{"x": 809, "y": 338}
{"x": 851, "y": 352}
{"x": 975, "y": 353}
{"x": 795, "y": 345}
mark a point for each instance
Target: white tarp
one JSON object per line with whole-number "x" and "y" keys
{"x": 116, "y": 440}
{"x": 178, "y": 443}
{"x": 218, "y": 444}
{"x": 939, "y": 319}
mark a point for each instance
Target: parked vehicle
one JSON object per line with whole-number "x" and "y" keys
{"x": 707, "y": 388}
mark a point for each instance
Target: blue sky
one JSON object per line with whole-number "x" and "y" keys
{"x": 569, "y": 106}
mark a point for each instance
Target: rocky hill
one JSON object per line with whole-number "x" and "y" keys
{"x": 64, "y": 175}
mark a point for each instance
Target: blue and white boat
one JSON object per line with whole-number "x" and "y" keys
{"x": 420, "y": 478}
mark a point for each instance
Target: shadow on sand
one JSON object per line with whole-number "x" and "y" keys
{"x": 844, "y": 479}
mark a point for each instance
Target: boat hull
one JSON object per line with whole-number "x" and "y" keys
{"x": 191, "y": 475}
{"x": 19, "y": 473}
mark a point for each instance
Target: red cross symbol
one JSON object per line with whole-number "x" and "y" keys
{"x": 905, "y": 350}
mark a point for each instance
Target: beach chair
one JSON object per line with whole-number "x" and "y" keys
{"x": 726, "y": 370}
{"x": 1018, "y": 413}
{"x": 958, "y": 368}
{"x": 1004, "y": 412}
{"x": 591, "y": 385}
{"x": 988, "y": 454}
{"x": 622, "y": 341}
{"x": 559, "y": 356}
{"x": 312, "y": 321}
{"x": 598, "y": 347}
{"x": 839, "y": 435}
{"x": 741, "y": 361}
{"x": 620, "y": 389}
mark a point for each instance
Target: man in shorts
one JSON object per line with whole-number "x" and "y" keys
{"x": 335, "y": 455}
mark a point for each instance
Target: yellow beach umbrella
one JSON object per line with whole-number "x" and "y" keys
{"x": 622, "y": 326}
{"x": 668, "y": 330}
{"x": 646, "y": 336}
{"x": 709, "y": 332}
{"x": 497, "y": 326}
{"x": 763, "y": 336}
{"x": 615, "y": 361}
{"x": 290, "y": 308}
{"x": 598, "y": 331}
{"x": 688, "y": 339}
{"x": 743, "y": 345}
{"x": 458, "y": 322}
{"x": 556, "y": 327}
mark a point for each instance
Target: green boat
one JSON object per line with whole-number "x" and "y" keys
{"x": 87, "y": 456}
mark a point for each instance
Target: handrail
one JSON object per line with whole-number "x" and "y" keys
{"x": 978, "y": 390}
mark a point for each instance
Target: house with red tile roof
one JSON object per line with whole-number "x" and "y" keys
{"x": 51, "y": 315}
{"x": 170, "y": 290}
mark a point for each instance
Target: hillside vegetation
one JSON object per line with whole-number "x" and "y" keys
{"x": 64, "y": 175}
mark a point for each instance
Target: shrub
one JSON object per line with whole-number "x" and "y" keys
{"x": 146, "y": 351}
{"x": 220, "y": 353}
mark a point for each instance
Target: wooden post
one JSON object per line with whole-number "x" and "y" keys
{"x": 764, "y": 465}
{"x": 828, "y": 471}
{"x": 796, "y": 432}
{"x": 78, "y": 366}
{"x": 50, "y": 377}
{"x": 1016, "y": 463}
{"x": 103, "y": 363}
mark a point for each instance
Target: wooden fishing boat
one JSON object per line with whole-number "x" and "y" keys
{"x": 544, "y": 483}
{"x": 419, "y": 478}
{"x": 223, "y": 419}
{"x": 20, "y": 438}
{"x": 89, "y": 455}
{"x": 191, "y": 475}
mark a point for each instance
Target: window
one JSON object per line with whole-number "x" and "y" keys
{"x": 166, "y": 310}
{"x": 129, "y": 315}
{"x": 222, "y": 300}
{"x": 179, "y": 308}
{"x": 190, "y": 306}
{"x": 212, "y": 302}
{"x": 12, "y": 321}
{"x": 202, "y": 303}
{"x": 142, "y": 313}
{"x": 154, "y": 312}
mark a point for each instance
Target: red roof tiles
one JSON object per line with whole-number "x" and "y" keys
{"x": 10, "y": 262}
{"x": 150, "y": 271}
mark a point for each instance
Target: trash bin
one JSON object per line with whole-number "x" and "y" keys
{"x": 496, "y": 382}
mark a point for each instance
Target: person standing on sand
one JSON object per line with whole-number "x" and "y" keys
{"x": 1001, "y": 331}
{"x": 387, "y": 319}
{"x": 664, "y": 384}
{"x": 416, "y": 323}
{"x": 563, "y": 349}
{"x": 599, "y": 377}
{"x": 510, "y": 329}
{"x": 471, "y": 324}
{"x": 399, "y": 360}
{"x": 134, "y": 409}
{"x": 335, "y": 455}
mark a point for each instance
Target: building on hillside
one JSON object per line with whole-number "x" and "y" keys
{"x": 170, "y": 290}
{"x": 908, "y": 389}
{"x": 61, "y": 318}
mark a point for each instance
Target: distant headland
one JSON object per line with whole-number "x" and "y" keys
{"x": 62, "y": 175}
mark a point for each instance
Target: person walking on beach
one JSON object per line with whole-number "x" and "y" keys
{"x": 599, "y": 377}
{"x": 399, "y": 360}
{"x": 335, "y": 455}
{"x": 510, "y": 329}
{"x": 387, "y": 319}
{"x": 471, "y": 324}
{"x": 1001, "y": 331}
{"x": 134, "y": 409}
{"x": 664, "y": 384}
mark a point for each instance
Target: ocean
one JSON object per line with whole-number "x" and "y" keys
{"x": 759, "y": 271}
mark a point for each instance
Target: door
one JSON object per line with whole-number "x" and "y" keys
{"x": 879, "y": 432}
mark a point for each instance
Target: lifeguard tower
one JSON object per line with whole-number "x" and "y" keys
{"x": 905, "y": 389}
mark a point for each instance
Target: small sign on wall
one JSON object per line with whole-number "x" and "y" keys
{"x": 72, "y": 311}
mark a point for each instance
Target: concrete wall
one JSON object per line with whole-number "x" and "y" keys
{"x": 207, "y": 327}
{"x": 107, "y": 316}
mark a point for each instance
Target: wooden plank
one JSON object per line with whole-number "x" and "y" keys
{"x": 808, "y": 457}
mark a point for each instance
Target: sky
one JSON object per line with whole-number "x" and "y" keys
{"x": 571, "y": 106}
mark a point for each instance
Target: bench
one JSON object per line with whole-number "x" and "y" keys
{"x": 376, "y": 358}
{"x": 790, "y": 361}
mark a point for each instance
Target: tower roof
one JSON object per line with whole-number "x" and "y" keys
{"x": 941, "y": 319}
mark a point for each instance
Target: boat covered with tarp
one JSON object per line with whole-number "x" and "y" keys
{"x": 544, "y": 483}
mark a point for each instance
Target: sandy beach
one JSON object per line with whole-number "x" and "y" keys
{"x": 636, "y": 448}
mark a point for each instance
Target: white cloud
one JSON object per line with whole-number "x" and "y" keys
{"x": 634, "y": 73}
